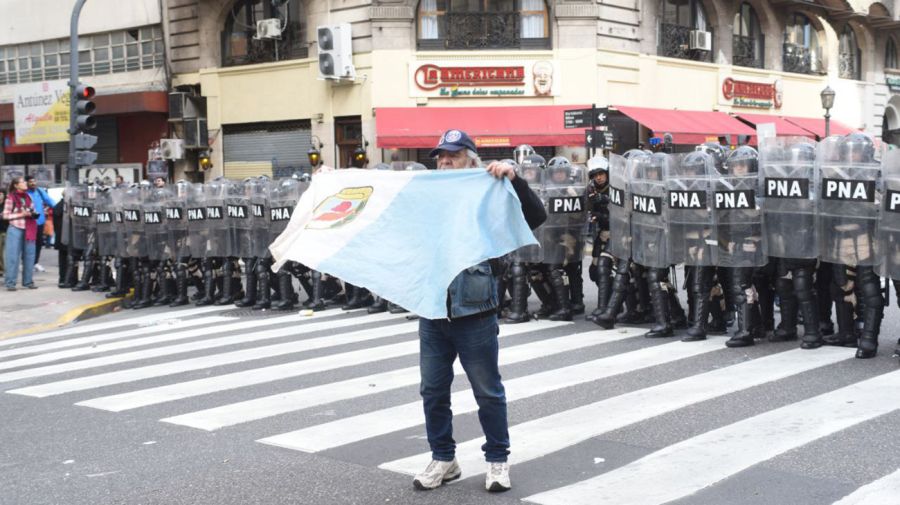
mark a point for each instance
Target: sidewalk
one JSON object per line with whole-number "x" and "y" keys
{"x": 32, "y": 310}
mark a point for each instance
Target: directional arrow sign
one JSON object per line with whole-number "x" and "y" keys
{"x": 602, "y": 140}
{"x": 581, "y": 118}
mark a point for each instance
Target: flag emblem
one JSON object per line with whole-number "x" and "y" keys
{"x": 340, "y": 208}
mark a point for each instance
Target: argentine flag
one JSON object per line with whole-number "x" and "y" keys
{"x": 403, "y": 235}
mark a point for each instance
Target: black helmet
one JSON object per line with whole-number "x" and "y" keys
{"x": 716, "y": 150}
{"x": 744, "y": 156}
{"x": 858, "y": 147}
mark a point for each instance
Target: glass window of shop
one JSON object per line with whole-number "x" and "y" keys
{"x": 890, "y": 54}
{"x": 98, "y": 54}
{"x": 483, "y": 24}
{"x": 747, "y": 38}
{"x": 802, "y": 53}
{"x": 848, "y": 55}
{"x": 678, "y": 20}
{"x": 240, "y": 45}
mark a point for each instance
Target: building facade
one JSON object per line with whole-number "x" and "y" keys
{"x": 121, "y": 54}
{"x": 507, "y": 69}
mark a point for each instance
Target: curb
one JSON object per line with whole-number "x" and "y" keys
{"x": 72, "y": 316}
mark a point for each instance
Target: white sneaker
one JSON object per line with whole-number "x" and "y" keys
{"x": 39, "y": 268}
{"x": 437, "y": 473}
{"x": 497, "y": 478}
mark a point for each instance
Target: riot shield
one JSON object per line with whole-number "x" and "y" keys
{"x": 117, "y": 198}
{"x": 563, "y": 196}
{"x": 848, "y": 179}
{"x": 238, "y": 218}
{"x": 531, "y": 171}
{"x": 82, "y": 213}
{"x": 214, "y": 197}
{"x": 689, "y": 197}
{"x": 788, "y": 173}
{"x": 133, "y": 223}
{"x": 649, "y": 216}
{"x": 259, "y": 217}
{"x": 104, "y": 216}
{"x": 283, "y": 199}
{"x": 155, "y": 232}
{"x": 889, "y": 222}
{"x": 619, "y": 206}
{"x": 738, "y": 213}
{"x": 178, "y": 247}
{"x": 198, "y": 231}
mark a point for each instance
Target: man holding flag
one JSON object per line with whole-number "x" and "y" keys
{"x": 423, "y": 240}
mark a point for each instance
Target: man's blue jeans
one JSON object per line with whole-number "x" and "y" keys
{"x": 16, "y": 248}
{"x": 474, "y": 339}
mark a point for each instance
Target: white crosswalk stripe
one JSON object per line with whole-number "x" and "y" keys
{"x": 225, "y": 382}
{"x": 550, "y": 359}
{"x": 884, "y": 491}
{"x": 241, "y": 338}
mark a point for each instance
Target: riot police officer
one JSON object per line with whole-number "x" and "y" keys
{"x": 600, "y": 270}
{"x": 531, "y": 169}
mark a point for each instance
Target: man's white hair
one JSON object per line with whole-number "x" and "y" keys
{"x": 474, "y": 160}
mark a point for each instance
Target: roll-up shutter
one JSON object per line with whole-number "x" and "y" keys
{"x": 252, "y": 147}
{"x": 107, "y": 146}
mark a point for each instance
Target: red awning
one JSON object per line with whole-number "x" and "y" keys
{"x": 421, "y": 127}
{"x": 817, "y": 125}
{"x": 782, "y": 126}
{"x": 688, "y": 126}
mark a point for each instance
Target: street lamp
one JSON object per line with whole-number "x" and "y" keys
{"x": 827, "y": 103}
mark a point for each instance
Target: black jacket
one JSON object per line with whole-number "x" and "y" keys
{"x": 58, "y": 211}
{"x": 532, "y": 207}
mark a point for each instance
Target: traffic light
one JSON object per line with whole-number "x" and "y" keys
{"x": 204, "y": 159}
{"x": 84, "y": 108}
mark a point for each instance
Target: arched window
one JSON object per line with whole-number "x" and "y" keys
{"x": 848, "y": 55}
{"x": 243, "y": 44}
{"x": 483, "y": 24}
{"x": 684, "y": 31}
{"x": 890, "y": 54}
{"x": 802, "y": 54}
{"x": 747, "y": 39}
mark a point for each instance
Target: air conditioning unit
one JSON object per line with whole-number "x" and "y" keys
{"x": 172, "y": 149}
{"x": 268, "y": 29}
{"x": 186, "y": 106}
{"x": 335, "y": 52}
{"x": 700, "y": 41}
{"x": 196, "y": 135}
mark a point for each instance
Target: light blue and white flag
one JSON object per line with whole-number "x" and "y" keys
{"x": 403, "y": 235}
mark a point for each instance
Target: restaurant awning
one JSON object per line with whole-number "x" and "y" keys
{"x": 688, "y": 126}
{"x": 421, "y": 127}
{"x": 817, "y": 125}
{"x": 782, "y": 126}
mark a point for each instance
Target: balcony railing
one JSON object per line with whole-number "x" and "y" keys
{"x": 674, "y": 42}
{"x": 482, "y": 30}
{"x": 848, "y": 66}
{"x": 241, "y": 48}
{"x": 746, "y": 52}
{"x": 800, "y": 60}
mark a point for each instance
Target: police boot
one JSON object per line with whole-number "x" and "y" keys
{"x": 209, "y": 284}
{"x": 104, "y": 282}
{"x": 576, "y": 287}
{"x": 660, "y": 305}
{"x": 643, "y": 293}
{"x": 317, "y": 301}
{"x": 393, "y": 308}
{"x": 748, "y": 319}
{"x": 71, "y": 277}
{"x": 146, "y": 291}
{"x": 518, "y": 307}
{"x": 845, "y": 336}
{"x": 561, "y": 290}
{"x": 285, "y": 289}
{"x": 120, "y": 285}
{"x": 604, "y": 286}
{"x": 380, "y": 305}
{"x": 229, "y": 286}
{"x": 251, "y": 276}
{"x": 676, "y": 312}
{"x": 870, "y": 289}
{"x": 361, "y": 298}
{"x": 700, "y": 286}
{"x": 264, "y": 295}
{"x": 543, "y": 291}
{"x": 181, "y": 287}
{"x": 632, "y": 313}
{"x": 165, "y": 285}
{"x": 607, "y": 318}
{"x": 87, "y": 269}
{"x": 137, "y": 284}
{"x": 787, "y": 327}
{"x": 766, "y": 308}
{"x": 718, "y": 315}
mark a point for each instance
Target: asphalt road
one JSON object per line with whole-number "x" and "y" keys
{"x": 225, "y": 406}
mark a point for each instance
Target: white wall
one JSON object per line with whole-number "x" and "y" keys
{"x": 32, "y": 20}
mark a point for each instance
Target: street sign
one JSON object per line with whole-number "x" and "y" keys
{"x": 603, "y": 140}
{"x": 581, "y": 118}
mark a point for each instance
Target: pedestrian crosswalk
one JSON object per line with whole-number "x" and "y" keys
{"x": 345, "y": 384}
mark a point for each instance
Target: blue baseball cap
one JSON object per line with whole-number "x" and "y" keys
{"x": 453, "y": 141}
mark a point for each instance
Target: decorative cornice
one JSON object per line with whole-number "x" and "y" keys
{"x": 577, "y": 11}
{"x": 391, "y": 13}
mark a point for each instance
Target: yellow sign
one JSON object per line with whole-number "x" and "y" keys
{"x": 42, "y": 112}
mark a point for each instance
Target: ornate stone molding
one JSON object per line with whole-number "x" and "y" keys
{"x": 577, "y": 11}
{"x": 391, "y": 13}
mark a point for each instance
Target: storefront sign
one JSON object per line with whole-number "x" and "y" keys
{"x": 453, "y": 79}
{"x": 42, "y": 112}
{"x": 893, "y": 82}
{"x": 758, "y": 95}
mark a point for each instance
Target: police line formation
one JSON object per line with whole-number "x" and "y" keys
{"x": 815, "y": 223}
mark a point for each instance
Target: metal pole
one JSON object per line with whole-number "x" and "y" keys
{"x": 827, "y": 123}
{"x": 593, "y": 127}
{"x": 72, "y": 170}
